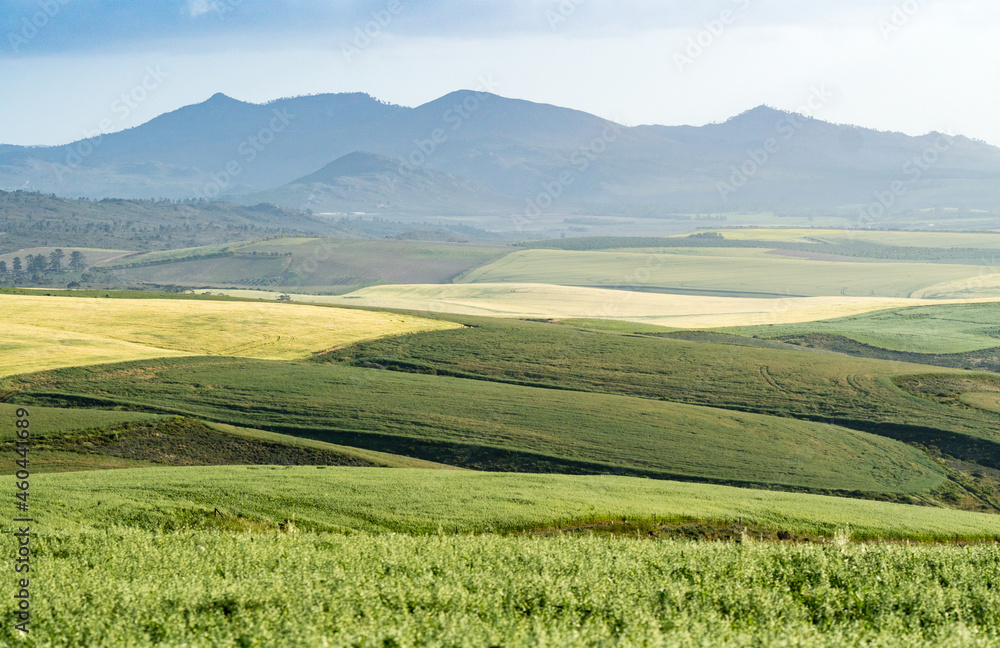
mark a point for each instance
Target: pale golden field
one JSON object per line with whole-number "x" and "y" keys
{"x": 548, "y": 301}
{"x": 41, "y": 332}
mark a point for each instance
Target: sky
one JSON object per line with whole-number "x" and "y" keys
{"x": 69, "y": 68}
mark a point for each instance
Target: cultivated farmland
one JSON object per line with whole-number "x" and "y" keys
{"x": 75, "y": 331}
{"x": 724, "y": 275}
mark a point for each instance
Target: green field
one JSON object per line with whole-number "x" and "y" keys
{"x": 306, "y": 590}
{"x": 59, "y": 420}
{"x": 308, "y": 264}
{"x": 87, "y": 439}
{"x": 499, "y": 426}
{"x": 332, "y": 499}
{"x": 726, "y": 275}
{"x": 261, "y": 557}
{"x": 947, "y": 328}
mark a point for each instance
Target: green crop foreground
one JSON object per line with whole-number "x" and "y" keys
{"x": 329, "y": 590}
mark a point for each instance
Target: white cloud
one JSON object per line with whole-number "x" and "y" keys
{"x": 202, "y": 7}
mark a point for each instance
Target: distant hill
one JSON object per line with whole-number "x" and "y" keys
{"x": 371, "y": 183}
{"x": 551, "y": 159}
{"x": 30, "y": 220}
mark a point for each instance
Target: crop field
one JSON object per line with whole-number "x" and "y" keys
{"x": 418, "y": 501}
{"x": 317, "y": 264}
{"x": 556, "y": 302}
{"x": 212, "y": 271}
{"x": 28, "y": 348}
{"x": 500, "y": 426}
{"x": 749, "y": 276}
{"x": 945, "y": 328}
{"x": 89, "y": 439}
{"x": 46, "y": 332}
{"x": 56, "y": 420}
{"x": 276, "y": 568}
{"x": 303, "y": 589}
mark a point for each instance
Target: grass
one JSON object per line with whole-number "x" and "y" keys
{"x": 312, "y": 264}
{"x": 750, "y": 276}
{"x": 296, "y": 589}
{"x": 657, "y": 309}
{"x": 55, "y": 420}
{"x": 132, "y": 440}
{"x": 937, "y": 329}
{"x": 425, "y": 501}
{"x": 716, "y": 370}
{"x": 68, "y": 332}
{"x": 497, "y": 426}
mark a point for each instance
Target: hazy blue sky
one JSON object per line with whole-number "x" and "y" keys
{"x": 66, "y": 66}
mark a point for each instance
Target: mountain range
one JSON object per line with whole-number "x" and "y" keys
{"x": 475, "y": 152}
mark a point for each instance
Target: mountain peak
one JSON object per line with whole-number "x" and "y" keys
{"x": 219, "y": 97}
{"x": 762, "y": 112}
{"x": 358, "y": 163}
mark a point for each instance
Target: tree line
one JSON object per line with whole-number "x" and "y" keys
{"x": 52, "y": 262}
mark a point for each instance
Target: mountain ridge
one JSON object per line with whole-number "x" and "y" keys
{"x": 224, "y": 148}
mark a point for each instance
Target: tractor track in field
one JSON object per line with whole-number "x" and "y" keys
{"x": 765, "y": 373}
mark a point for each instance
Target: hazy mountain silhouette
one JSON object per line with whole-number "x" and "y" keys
{"x": 552, "y": 158}
{"x": 371, "y": 183}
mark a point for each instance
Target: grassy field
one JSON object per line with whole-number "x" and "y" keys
{"x": 310, "y": 264}
{"x": 946, "y": 328}
{"x": 332, "y": 499}
{"x": 306, "y": 590}
{"x": 499, "y": 426}
{"x": 55, "y": 420}
{"x": 313, "y": 556}
{"x": 89, "y": 439}
{"x": 551, "y": 301}
{"x": 725, "y": 275}
{"x": 46, "y": 332}
{"x": 716, "y": 370}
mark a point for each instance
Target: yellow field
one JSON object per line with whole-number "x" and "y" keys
{"x": 548, "y": 301}
{"x": 985, "y": 284}
{"x": 48, "y": 332}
